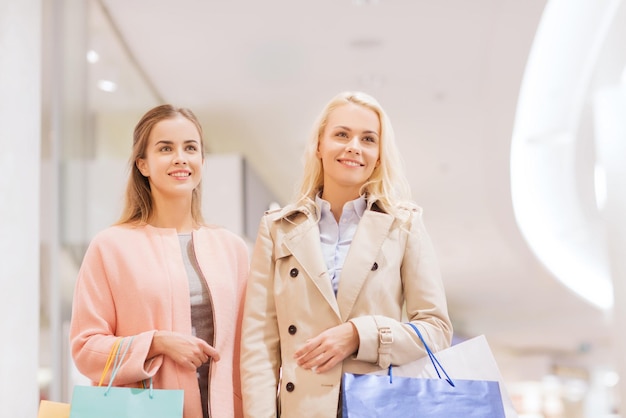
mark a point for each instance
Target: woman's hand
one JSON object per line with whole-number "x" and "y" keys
{"x": 328, "y": 349}
{"x": 186, "y": 350}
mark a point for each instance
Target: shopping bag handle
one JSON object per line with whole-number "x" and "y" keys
{"x": 436, "y": 365}
{"x": 118, "y": 361}
{"x": 107, "y": 365}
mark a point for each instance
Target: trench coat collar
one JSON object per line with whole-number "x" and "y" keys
{"x": 303, "y": 242}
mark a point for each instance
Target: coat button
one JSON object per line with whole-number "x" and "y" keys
{"x": 290, "y": 387}
{"x": 292, "y": 329}
{"x": 375, "y": 266}
{"x": 293, "y": 272}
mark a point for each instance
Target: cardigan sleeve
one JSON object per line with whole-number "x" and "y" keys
{"x": 93, "y": 323}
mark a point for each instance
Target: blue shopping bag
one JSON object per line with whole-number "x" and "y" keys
{"x": 374, "y": 396}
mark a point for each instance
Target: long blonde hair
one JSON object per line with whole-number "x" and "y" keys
{"x": 138, "y": 205}
{"x": 387, "y": 186}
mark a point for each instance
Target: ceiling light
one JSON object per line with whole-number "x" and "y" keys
{"x": 92, "y": 56}
{"x": 107, "y": 86}
{"x": 548, "y": 199}
{"x": 610, "y": 378}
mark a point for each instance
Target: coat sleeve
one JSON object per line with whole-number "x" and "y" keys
{"x": 260, "y": 343}
{"x": 425, "y": 305}
{"x": 94, "y": 322}
{"x": 425, "y": 297}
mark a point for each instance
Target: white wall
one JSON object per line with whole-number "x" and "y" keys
{"x": 20, "y": 108}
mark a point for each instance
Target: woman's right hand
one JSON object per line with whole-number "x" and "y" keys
{"x": 185, "y": 350}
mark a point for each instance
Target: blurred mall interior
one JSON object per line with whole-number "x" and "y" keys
{"x": 511, "y": 116}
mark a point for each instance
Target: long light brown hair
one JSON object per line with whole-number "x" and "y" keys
{"x": 138, "y": 205}
{"x": 387, "y": 186}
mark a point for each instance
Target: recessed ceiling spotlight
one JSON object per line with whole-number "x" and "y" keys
{"x": 611, "y": 379}
{"x": 366, "y": 43}
{"x": 107, "y": 86}
{"x": 92, "y": 56}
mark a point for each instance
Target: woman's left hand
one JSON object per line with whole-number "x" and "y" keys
{"x": 329, "y": 348}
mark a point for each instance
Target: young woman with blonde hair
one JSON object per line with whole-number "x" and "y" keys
{"x": 336, "y": 275}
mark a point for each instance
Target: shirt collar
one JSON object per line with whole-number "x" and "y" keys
{"x": 356, "y": 206}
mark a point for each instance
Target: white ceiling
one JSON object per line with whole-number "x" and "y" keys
{"x": 448, "y": 72}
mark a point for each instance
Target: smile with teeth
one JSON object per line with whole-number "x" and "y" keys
{"x": 180, "y": 174}
{"x": 351, "y": 163}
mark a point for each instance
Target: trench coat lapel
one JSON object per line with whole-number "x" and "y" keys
{"x": 372, "y": 231}
{"x": 304, "y": 244}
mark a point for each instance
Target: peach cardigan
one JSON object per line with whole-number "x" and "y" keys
{"x": 133, "y": 282}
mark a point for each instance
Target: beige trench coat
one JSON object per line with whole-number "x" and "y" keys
{"x": 290, "y": 299}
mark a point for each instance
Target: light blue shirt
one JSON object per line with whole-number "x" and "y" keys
{"x": 336, "y": 238}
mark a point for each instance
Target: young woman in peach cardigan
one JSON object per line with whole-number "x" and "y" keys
{"x": 161, "y": 275}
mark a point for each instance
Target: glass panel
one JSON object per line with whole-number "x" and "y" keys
{"x": 93, "y": 95}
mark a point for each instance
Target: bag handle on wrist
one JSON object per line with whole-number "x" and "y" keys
{"x": 112, "y": 354}
{"x": 116, "y": 359}
{"x": 436, "y": 365}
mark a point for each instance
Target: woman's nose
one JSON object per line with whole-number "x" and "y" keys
{"x": 354, "y": 145}
{"x": 180, "y": 158}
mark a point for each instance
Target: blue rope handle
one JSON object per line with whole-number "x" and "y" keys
{"x": 432, "y": 357}
{"x": 118, "y": 361}
{"x": 143, "y": 386}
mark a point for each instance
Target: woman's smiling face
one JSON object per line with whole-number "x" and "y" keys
{"x": 173, "y": 158}
{"x": 349, "y": 147}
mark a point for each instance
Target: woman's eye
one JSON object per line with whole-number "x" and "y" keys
{"x": 369, "y": 139}
{"x": 166, "y": 148}
{"x": 192, "y": 148}
{"x": 342, "y": 134}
